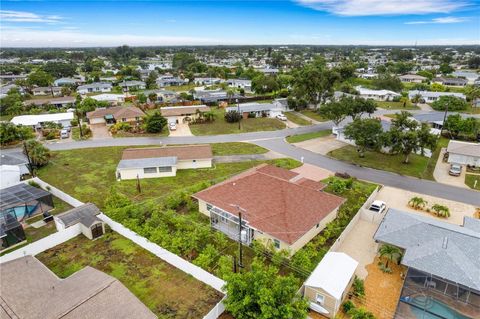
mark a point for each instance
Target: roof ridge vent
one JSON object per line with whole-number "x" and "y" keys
{"x": 445, "y": 242}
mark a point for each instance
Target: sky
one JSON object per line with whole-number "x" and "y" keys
{"x": 214, "y": 22}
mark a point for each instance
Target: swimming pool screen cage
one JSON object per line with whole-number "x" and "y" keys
{"x": 432, "y": 297}
{"x": 35, "y": 200}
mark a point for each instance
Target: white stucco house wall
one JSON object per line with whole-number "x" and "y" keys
{"x": 464, "y": 153}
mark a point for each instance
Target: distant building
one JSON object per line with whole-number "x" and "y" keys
{"x": 4, "y": 89}
{"x": 112, "y": 115}
{"x": 451, "y": 81}
{"x": 377, "y": 95}
{"x": 132, "y": 85}
{"x": 59, "y": 102}
{"x": 207, "y": 81}
{"x": 52, "y": 90}
{"x": 110, "y": 98}
{"x": 429, "y": 96}
{"x": 36, "y": 121}
{"x": 240, "y": 84}
{"x": 97, "y": 87}
{"x": 66, "y": 81}
{"x": 412, "y": 78}
{"x": 181, "y": 114}
{"x": 169, "y": 80}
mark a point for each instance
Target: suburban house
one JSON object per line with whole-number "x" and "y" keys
{"x": 154, "y": 162}
{"x": 181, "y": 114}
{"x": 269, "y": 71}
{"x": 36, "y": 121}
{"x": 471, "y": 76}
{"x": 97, "y": 87}
{"x": 377, "y": 95}
{"x": 170, "y": 80}
{"x": 132, "y": 85}
{"x": 9, "y": 175}
{"x": 328, "y": 284}
{"x": 4, "y": 89}
{"x": 240, "y": 84}
{"x": 111, "y": 98}
{"x": 16, "y": 158}
{"x": 85, "y": 217}
{"x": 412, "y": 78}
{"x": 451, "y": 81}
{"x": 112, "y": 115}
{"x": 166, "y": 95}
{"x": 464, "y": 153}
{"x": 207, "y": 81}
{"x": 259, "y": 109}
{"x": 66, "y": 82}
{"x": 429, "y": 96}
{"x": 443, "y": 261}
{"x": 31, "y": 290}
{"x": 210, "y": 96}
{"x": 45, "y": 90}
{"x": 279, "y": 208}
{"x": 59, "y": 102}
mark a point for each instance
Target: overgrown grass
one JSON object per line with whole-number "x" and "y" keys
{"x": 386, "y": 162}
{"x": 236, "y": 148}
{"x": 178, "y": 88}
{"x": 307, "y": 136}
{"x": 76, "y": 134}
{"x": 88, "y": 174}
{"x": 432, "y": 162}
{"x": 297, "y": 119}
{"x": 313, "y": 115}
{"x": 396, "y": 105}
{"x": 470, "y": 180}
{"x": 166, "y": 290}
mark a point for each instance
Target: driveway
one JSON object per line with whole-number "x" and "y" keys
{"x": 399, "y": 198}
{"x": 100, "y": 131}
{"x": 359, "y": 245}
{"x": 312, "y": 172}
{"x": 182, "y": 130}
{"x": 441, "y": 173}
{"x": 321, "y": 145}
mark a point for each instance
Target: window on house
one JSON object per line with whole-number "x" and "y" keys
{"x": 194, "y": 161}
{"x": 320, "y": 299}
{"x": 209, "y": 207}
{"x": 164, "y": 169}
{"x": 318, "y": 225}
{"x": 124, "y": 119}
{"x": 137, "y": 118}
{"x": 276, "y": 243}
{"x": 149, "y": 170}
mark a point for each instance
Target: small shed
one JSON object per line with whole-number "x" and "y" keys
{"x": 328, "y": 284}
{"x": 86, "y": 217}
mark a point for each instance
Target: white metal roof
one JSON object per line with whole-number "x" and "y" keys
{"x": 333, "y": 273}
{"x": 36, "y": 119}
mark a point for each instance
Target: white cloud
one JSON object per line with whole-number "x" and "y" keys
{"x": 383, "y": 7}
{"x": 444, "y": 20}
{"x": 22, "y": 16}
{"x": 26, "y": 37}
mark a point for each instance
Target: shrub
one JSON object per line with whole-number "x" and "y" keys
{"x": 155, "y": 123}
{"x": 454, "y": 104}
{"x": 441, "y": 211}
{"x": 251, "y": 115}
{"x": 384, "y": 268}
{"x": 232, "y": 116}
{"x": 417, "y": 202}
{"x": 347, "y": 306}
{"x": 358, "y": 287}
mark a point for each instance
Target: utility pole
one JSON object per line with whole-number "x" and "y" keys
{"x": 79, "y": 123}
{"x": 139, "y": 189}
{"x": 444, "y": 118}
{"x": 238, "y": 110}
{"x": 234, "y": 264}
{"x": 240, "y": 248}
{"x": 30, "y": 166}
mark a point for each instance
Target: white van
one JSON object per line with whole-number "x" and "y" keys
{"x": 64, "y": 134}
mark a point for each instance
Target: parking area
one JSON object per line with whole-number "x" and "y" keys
{"x": 441, "y": 173}
{"x": 100, "y": 131}
{"x": 182, "y": 129}
{"x": 399, "y": 198}
{"x": 321, "y": 145}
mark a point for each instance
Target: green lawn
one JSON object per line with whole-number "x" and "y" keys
{"x": 307, "y": 136}
{"x": 470, "y": 181}
{"x": 178, "y": 88}
{"x": 76, "y": 134}
{"x": 119, "y": 134}
{"x": 396, "y": 105}
{"x": 220, "y": 126}
{"x": 296, "y": 119}
{"x": 166, "y": 290}
{"x": 88, "y": 174}
{"x": 432, "y": 162}
{"x": 236, "y": 148}
{"x": 313, "y": 115}
{"x": 386, "y": 162}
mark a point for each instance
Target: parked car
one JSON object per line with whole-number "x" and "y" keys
{"x": 455, "y": 170}
{"x": 172, "y": 126}
{"x": 378, "y": 206}
{"x": 281, "y": 117}
{"x": 64, "y": 134}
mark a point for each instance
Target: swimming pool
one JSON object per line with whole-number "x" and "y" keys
{"x": 20, "y": 210}
{"x": 434, "y": 309}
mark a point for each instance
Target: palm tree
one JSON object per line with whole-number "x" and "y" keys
{"x": 230, "y": 94}
{"x": 416, "y": 98}
{"x": 441, "y": 211}
{"x": 417, "y": 202}
{"x": 209, "y": 116}
{"x": 360, "y": 313}
{"x": 391, "y": 253}
{"x": 39, "y": 154}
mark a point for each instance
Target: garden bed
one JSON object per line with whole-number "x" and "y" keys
{"x": 166, "y": 290}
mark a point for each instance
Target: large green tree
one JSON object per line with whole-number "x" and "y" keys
{"x": 261, "y": 293}
{"x": 39, "y": 154}
{"x": 155, "y": 123}
{"x": 452, "y": 102}
{"x": 11, "y": 133}
{"x": 367, "y": 134}
{"x": 39, "y": 78}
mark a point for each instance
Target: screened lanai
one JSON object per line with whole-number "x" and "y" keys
{"x": 22, "y": 201}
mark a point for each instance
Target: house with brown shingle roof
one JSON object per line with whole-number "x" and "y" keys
{"x": 278, "y": 207}
{"x": 154, "y": 162}
{"x": 111, "y": 115}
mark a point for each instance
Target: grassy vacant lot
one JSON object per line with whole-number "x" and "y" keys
{"x": 386, "y": 162}
{"x": 313, "y": 115}
{"x": 236, "y": 148}
{"x": 166, "y": 290}
{"x": 88, "y": 174}
{"x": 220, "y": 126}
{"x": 179, "y": 88}
{"x": 432, "y": 162}
{"x": 470, "y": 181}
{"x": 396, "y": 105}
{"x": 296, "y": 119}
{"x": 307, "y": 136}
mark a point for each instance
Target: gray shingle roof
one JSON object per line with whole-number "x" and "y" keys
{"x": 148, "y": 162}
{"x": 439, "y": 248}
{"x": 85, "y": 214}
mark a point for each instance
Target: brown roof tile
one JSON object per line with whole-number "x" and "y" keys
{"x": 181, "y": 110}
{"x": 118, "y": 112}
{"x": 305, "y": 182}
{"x": 282, "y": 209}
{"x": 185, "y": 152}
